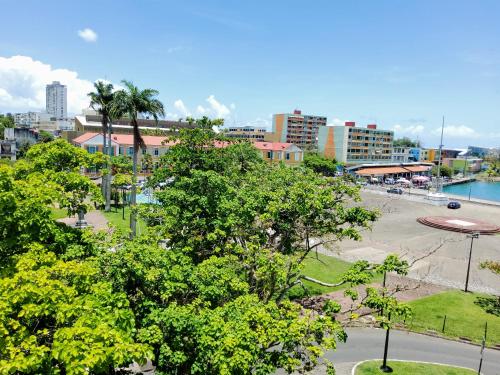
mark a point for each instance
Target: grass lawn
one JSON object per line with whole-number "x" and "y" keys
{"x": 59, "y": 213}
{"x": 414, "y": 368}
{"x": 324, "y": 268}
{"x": 464, "y": 316}
{"x": 115, "y": 218}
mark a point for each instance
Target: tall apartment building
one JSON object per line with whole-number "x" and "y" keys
{"x": 354, "y": 145}
{"x": 297, "y": 128}
{"x": 56, "y": 98}
{"x": 251, "y": 133}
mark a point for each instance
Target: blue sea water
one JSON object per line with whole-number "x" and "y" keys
{"x": 478, "y": 189}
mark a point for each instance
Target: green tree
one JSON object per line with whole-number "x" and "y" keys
{"x": 5, "y": 122}
{"x": 200, "y": 318}
{"x": 60, "y": 317}
{"x": 25, "y": 213}
{"x": 133, "y": 102}
{"x": 45, "y": 136}
{"x": 101, "y": 100}
{"x": 61, "y": 156}
{"x": 76, "y": 190}
{"x": 445, "y": 171}
{"x": 406, "y": 142}
{"x": 121, "y": 164}
{"x": 147, "y": 162}
{"x": 320, "y": 164}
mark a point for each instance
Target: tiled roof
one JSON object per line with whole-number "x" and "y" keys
{"x": 272, "y": 146}
{"x": 149, "y": 140}
{"x": 84, "y": 138}
{"x": 391, "y": 170}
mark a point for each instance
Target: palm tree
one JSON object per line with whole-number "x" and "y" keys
{"x": 132, "y": 102}
{"x": 102, "y": 101}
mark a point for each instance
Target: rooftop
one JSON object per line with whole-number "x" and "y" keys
{"x": 127, "y": 139}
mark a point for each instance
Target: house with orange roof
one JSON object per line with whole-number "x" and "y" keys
{"x": 156, "y": 146}
{"x": 276, "y": 152}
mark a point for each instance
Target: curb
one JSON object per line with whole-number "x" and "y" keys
{"x": 445, "y": 338}
{"x": 353, "y": 371}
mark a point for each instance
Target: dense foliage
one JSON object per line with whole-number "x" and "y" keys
{"x": 5, "y": 122}
{"x": 406, "y": 142}
{"x": 445, "y": 171}
{"x": 320, "y": 164}
{"x": 60, "y": 317}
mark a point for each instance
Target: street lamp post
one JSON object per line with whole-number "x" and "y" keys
{"x": 123, "y": 203}
{"x": 472, "y": 236}
{"x": 384, "y": 366}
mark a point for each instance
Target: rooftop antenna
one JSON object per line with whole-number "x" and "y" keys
{"x": 440, "y": 160}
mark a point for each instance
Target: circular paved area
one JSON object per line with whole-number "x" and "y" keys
{"x": 459, "y": 224}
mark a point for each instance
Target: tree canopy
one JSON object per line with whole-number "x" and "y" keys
{"x": 406, "y": 142}
{"x": 5, "y": 122}
{"x": 445, "y": 171}
{"x": 320, "y": 164}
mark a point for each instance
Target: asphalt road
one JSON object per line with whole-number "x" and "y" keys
{"x": 364, "y": 343}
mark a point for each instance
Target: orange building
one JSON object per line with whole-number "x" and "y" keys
{"x": 297, "y": 128}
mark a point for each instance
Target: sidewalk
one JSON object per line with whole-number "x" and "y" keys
{"x": 95, "y": 219}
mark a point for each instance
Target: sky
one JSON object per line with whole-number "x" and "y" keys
{"x": 401, "y": 64}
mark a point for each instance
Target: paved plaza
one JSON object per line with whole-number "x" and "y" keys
{"x": 397, "y": 231}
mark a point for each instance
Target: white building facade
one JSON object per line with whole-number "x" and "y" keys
{"x": 57, "y": 100}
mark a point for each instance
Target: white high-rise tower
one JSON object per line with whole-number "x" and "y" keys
{"x": 57, "y": 100}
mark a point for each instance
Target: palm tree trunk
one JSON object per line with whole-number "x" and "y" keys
{"x": 104, "y": 151}
{"x": 133, "y": 224}
{"x": 109, "y": 177}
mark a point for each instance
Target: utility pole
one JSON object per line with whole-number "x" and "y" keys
{"x": 439, "y": 186}
{"x": 472, "y": 236}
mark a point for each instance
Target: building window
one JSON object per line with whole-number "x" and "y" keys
{"x": 269, "y": 154}
{"x": 156, "y": 152}
{"x": 130, "y": 151}
{"x": 92, "y": 149}
{"x": 120, "y": 150}
{"x": 144, "y": 150}
{"x": 287, "y": 156}
{"x": 279, "y": 155}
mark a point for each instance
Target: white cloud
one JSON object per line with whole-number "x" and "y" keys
{"x": 214, "y": 109}
{"x": 171, "y": 116}
{"x": 457, "y": 131}
{"x": 336, "y": 122}
{"x": 181, "y": 107}
{"x": 220, "y": 110}
{"x": 23, "y": 81}
{"x": 409, "y": 130}
{"x": 261, "y": 122}
{"x": 88, "y": 35}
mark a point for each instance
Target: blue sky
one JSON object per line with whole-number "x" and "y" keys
{"x": 401, "y": 64}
